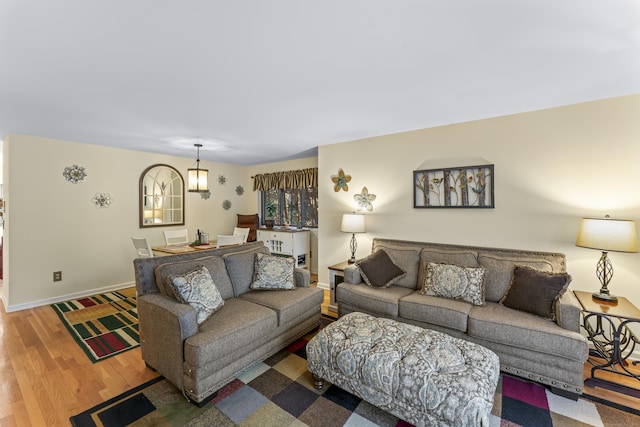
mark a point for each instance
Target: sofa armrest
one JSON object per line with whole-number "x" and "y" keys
{"x": 302, "y": 277}
{"x": 568, "y": 312}
{"x": 352, "y": 274}
{"x": 164, "y": 326}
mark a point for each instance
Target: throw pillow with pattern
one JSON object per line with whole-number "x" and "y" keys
{"x": 197, "y": 289}
{"x": 273, "y": 272}
{"x": 455, "y": 282}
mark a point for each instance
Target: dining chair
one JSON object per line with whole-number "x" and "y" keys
{"x": 142, "y": 247}
{"x": 241, "y": 231}
{"x": 172, "y": 237}
{"x": 228, "y": 240}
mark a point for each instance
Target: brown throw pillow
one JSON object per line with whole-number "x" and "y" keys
{"x": 378, "y": 271}
{"x": 535, "y": 291}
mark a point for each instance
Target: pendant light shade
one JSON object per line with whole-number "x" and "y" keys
{"x": 198, "y": 178}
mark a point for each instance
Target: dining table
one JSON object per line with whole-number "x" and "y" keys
{"x": 181, "y": 248}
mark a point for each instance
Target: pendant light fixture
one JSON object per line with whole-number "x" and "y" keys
{"x": 198, "y": 178}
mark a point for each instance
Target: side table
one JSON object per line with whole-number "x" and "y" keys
{"x": 336, "y": 276}
{"x": 608, "y": 329}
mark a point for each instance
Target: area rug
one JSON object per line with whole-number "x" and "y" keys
{"x": 280, "y": 392}
{"x": 103, "y": 325}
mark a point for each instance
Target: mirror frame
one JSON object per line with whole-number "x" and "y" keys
{"x": 142, "y": 195}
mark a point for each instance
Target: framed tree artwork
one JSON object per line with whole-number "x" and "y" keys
{"x": 457, "y": 187}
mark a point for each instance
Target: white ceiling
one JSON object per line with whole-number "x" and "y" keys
{"x": 260, "y": 81}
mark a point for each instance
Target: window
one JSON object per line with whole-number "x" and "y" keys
{"x": 293, "y": 207}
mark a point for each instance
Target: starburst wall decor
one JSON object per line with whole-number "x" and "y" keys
{"x": 102, "y": 200}
{"x": 74, "y": 174}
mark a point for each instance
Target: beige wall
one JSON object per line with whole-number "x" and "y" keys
{"x": 52, "y": 224}
{"x": 552, "y": 167}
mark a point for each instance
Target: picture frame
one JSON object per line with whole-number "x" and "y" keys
{"x": 456, "y": 187}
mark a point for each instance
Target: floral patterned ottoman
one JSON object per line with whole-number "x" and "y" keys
{"x": 422, "y": 376}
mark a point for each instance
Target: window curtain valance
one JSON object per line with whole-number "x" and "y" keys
{"x": 286, "y": 180}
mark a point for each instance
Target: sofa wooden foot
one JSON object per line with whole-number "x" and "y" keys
{"x": 318, "y": 382}
{"x": 565, "y": 393}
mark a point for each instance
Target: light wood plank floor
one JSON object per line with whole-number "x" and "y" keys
{"x": 45, "y": 378}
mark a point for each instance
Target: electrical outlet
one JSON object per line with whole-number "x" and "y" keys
{"x": 57, "y": 276}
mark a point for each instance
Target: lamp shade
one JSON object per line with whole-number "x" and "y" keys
{"x": 352, "y": 223}
{"x": 198, "y": 180}
{"x": 605, "y": 234}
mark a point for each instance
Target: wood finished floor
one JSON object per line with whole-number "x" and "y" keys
{"x": 45, "y": 377}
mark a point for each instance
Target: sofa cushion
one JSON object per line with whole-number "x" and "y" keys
{"x": 455, "y": 282}
{"x": 383, "y": 301}
{"x": 535, "y": 291}
{"x": 449, "y": 313}
{"x": 378, "y": 270}
{"x": 240, "y": 268}
{"x": 499, "y": 269}
{"x": 214, "y": 264}
{"x": 237, "y": 325}
{"x": 407, "y": 259}
{"x": 273, "y": 272}
{"x": 496, "y": 323}
{"x": 197, "y": 289}
{"x": 462, "y": 257}
{"x": 289, "y": 306}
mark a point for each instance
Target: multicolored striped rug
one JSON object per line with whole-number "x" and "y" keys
{"x": 103, "y": 325}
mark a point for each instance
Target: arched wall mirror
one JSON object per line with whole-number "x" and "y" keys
{"x": 161, "y": 196}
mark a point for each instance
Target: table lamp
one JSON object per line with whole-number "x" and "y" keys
{"x": 352, "y": 223}
{"x": 606, "y": 234}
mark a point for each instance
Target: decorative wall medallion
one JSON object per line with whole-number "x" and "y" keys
{"x": 222, "y": 180}
{"x": 74, "y": 174}
{"x": 364, "y": 200}
{"x": 205, "y": 194}
{"x": 341, "y": 181}
{"x": 239, "y": 190}
{"x": 226, "y": 205}
{"x": 102, "y": 200}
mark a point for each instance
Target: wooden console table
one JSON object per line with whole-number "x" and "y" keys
{"x": 608, "y": 329}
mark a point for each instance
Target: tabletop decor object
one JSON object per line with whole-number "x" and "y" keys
{"x": 74, "y": 174}
{"x": 353, "y": 223}
{"x": 607, "y": 234}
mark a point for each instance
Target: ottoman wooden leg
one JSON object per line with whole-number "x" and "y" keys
{"x": 318, "y": 382}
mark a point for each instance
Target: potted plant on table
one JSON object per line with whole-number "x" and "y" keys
{"x": 271, "y": 209}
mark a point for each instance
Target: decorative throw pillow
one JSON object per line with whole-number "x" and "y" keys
{"x": 378, "y": 271}
{"x": 273, "y": 272}
{"x": 455, "y": 282}
{"x": 535, "y": 291}
{"x": 197, "y": 289}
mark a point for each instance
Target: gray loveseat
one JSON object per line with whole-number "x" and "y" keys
{"x": 550, "y": 352}
{"x": 251, "y": 325}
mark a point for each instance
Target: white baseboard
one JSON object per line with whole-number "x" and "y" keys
{"x": 61, "y": 298}
{"x": 324, "y": 286}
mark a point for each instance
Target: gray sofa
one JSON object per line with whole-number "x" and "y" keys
{"x": 529, "y": 346}
{"x": 251, "y": 325}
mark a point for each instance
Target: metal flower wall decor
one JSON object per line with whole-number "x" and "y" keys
{"x": 102, "y": 200}
{"x": 222, "y": 180}
{"x": 341, "y": 181}
{"x": 239, "y": 190}
{"x": 226, "y": 205}
{"x": 205, "y": 194}
{"x": 74, "y": 174}
{"x": 364, "y": 200}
